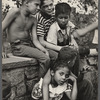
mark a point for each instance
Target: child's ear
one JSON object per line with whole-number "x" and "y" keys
{"x": 52, "y": 73}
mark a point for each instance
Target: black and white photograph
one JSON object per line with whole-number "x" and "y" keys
{"x": 49, "y": 49}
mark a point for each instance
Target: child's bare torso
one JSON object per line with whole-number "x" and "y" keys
{"x": 20, "y": 28}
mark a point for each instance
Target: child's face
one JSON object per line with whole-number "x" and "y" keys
{"x": 33, "y": 6}
{"x": 61, "y": 75}
{"x": 48, "y": 7}
{"x": 62, "y": 20}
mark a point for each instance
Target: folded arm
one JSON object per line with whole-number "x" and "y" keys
{"x": 48, "y": 44}
{"x": 35, "y": 40}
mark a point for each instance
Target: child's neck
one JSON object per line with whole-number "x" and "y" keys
{"x": 62, "y": 28}
{"x": 25, "y": 11}
{"x": 53, "y": 83}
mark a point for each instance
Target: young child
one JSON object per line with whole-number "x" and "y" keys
{"x": 62, "y": 32}
{"x": 22, "y": 36}
{"x": 71, "y": 57}
{"x": 45, "y": 19}
{"x": 55, "y": 83}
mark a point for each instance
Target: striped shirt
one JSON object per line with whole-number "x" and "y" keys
{"x": 43, "y": 25}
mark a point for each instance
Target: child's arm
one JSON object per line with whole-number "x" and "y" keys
{"x": 83, "y": 31}
{"x": 35, "y": 40}
{"x": 48, "y": 44}
{"x": 52, "y": 38}
{"x": 45, "y": 88}
{"x": 73, "y": 94}
{"x": 11, "y": 15}
{"x": 74, "y": 88}
{"x": 74, "y": 43}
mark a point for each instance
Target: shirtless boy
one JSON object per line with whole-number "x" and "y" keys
{"x": 21, "y": 28}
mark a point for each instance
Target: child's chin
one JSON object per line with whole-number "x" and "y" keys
{"x": 63, "y": 26}
{"x": 51, "y": 13}
{"x": 61, "y": 83}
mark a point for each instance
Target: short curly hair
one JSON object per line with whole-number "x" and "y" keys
{"x": 67, "y": 53}
{"x": 59, "y": 64}
{"x": 62, "y": 8}
{"x": 42, "y": 2}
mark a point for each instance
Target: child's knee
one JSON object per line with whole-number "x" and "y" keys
{"x": 47, "y": 59}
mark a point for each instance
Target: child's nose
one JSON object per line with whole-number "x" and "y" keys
{"x": 63, "y": 19}
{"x": 63, "y": 77}
{"x": 38, "y": 7}
{"x": 49, "y": 7}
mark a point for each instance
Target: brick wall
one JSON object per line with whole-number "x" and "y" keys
{"x": 23, "y": 74}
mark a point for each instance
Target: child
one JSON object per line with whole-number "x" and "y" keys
{"x": 62, "y": 32}
{"x": 22, "y": 36}
{"x": 85, "y": 88}
{"x": 45, "y": 19}
{"x": 71, "y": 57}
{"x": 55, "y": 83}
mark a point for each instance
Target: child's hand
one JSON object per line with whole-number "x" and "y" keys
{"x": 73, "y": 47}
{"x": 73, "y": 75}
{"x": 76, "y": 35}
{"x": 46, "y": 52}
{"x": 86, "y": 69}
{"x": 4, "y": 55}
{"x": 73, "y": 79}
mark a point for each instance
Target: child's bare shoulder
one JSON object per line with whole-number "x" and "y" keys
{"x": 14, "y": 11}
{"x": 33, "y": 19}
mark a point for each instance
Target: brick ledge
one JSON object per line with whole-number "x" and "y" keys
{"x": 17, "y": 62}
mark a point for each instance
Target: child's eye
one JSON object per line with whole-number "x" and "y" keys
{"x": 61, "y": 74}
{"x": 63, "y": 17}
{"x": 60, "y": 17}
{"x": 51, "y": 4}
{"x": 45, "y": 6}
{"x": 37, "y": 4}
{"x": 67, "y": 75}
{"x": 66, "y": 17}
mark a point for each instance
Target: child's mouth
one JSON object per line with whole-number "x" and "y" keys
{"x": 61, "y": 82}
{"x": 51, "y": 11}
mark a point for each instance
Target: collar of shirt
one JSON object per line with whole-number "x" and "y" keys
{"x": 68, "y": 27}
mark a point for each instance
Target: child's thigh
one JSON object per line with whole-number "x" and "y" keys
{"x": 53, "y": 54}
{"x": 27, "y": 51}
